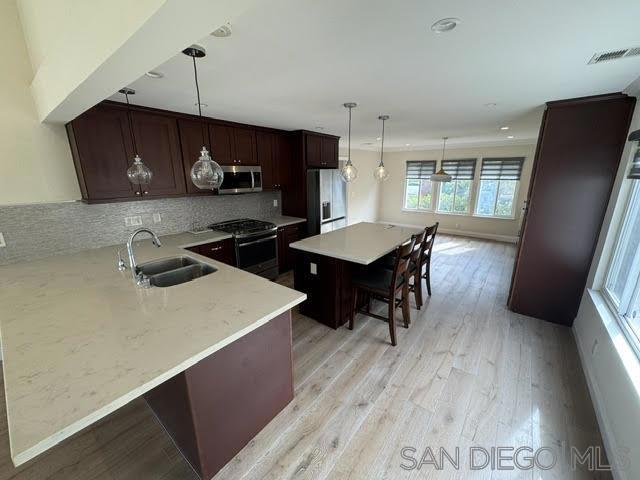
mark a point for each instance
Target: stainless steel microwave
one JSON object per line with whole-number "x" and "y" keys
{"x": 241, "y": 179}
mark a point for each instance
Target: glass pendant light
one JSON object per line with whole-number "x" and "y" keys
{"x": 349, "y": 173}
{"x": 138, "y": 173}
{"x": 441, "y": 175}
{"x": 381, "y": 173}
{"x": 205, "y": 173}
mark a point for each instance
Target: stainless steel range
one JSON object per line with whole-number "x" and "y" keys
{"x": 256, "y": 245}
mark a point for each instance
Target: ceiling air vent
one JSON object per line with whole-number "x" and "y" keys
{"x": 614, "y": 55}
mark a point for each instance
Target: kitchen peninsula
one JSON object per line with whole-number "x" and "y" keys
{"x": 81, "y": 340}
{"x": 324, "y": 265}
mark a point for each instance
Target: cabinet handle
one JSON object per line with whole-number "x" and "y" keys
{"x": 215, "y": 249}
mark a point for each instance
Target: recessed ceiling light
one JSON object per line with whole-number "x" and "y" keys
{"x": 445, "y": 25}
{"x": 504, "y": 128}
{"x": 203, "y": 105}
{"x": 154, "y": 74}
{"x": 510, "y": 137}
{"x": 407, "y": 144}
{"x": 222, "y": 32}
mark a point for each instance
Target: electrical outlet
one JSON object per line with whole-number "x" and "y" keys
{"x": 275, "y": 202}
{"x": 157, "y": 218}
{"x": 314, "y": 268}
{"x": 2, "y": 242}
{"x": 134, "y": 221}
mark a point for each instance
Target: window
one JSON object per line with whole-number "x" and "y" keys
{"x": 419, "y": 189}
{"x": 499, "y": 179}
{"x": 455, "y": 196}
{"x": 622, "y": 286}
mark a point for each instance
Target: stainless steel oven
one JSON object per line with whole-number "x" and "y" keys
{"x": 258, "y": 252}
{"x": 241, "y": 179}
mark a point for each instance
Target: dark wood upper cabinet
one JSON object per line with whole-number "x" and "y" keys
{"x": 329, "y": 152}
{"x": 576, "y": 162}
{"x": 313, "y": 150}
{"x": 222, "y": 143}
{"x": 265, "y": 147}
{"x": 282, "y": 173}
{"x": 157, "y": 143}
{"x": 194, "y": 134}
{"x": 102, "y": 152}
{"x": 245, "y": 146}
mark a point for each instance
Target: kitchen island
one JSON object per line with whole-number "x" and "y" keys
{"x": 80, "y": 340}
{"x": 324, "y": 264}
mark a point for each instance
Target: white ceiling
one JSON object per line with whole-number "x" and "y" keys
{"x": 292, "y": 64}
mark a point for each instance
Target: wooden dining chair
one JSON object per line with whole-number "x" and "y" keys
{"x": 384, "y": 284}
{"x": 415, "y": 271}
{"x": 427, "y": 252}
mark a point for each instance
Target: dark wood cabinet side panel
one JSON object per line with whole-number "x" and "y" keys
{"x": 238, "y": 390}
{"x": 578, "y": 159}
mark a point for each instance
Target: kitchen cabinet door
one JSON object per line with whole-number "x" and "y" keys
{"x": 282, "y": 161}
{"x": 286, "y": 236}
{"x": 157, "y": 143}
{"x": 245, "y": 146}
{"x": 313, "y": 150}
{"x": 222, "y": 144}
{"x": 102, "y": 152}
{"x": 266, "y": 144}
{"x": 222, "y": 251}
{"x": 192, "y": 135}
{"x": 329, "y": 152}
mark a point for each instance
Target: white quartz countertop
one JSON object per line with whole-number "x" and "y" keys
{"x": 81, "y": 340}
{"x": 283, "y": 221}
{"x": 361, "y": 243}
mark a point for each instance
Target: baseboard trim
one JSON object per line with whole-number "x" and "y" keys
{"x": 609, "y": 440}
{"x": 461, "y": 233}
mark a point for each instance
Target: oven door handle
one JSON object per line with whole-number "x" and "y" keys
{"x": 262, "y": 240}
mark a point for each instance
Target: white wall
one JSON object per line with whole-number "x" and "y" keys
{"x": 612, "y": 368}
{"x": 363, "y": 195}
{"x": 392, "y": 192}
{"x": 35, "y": 159}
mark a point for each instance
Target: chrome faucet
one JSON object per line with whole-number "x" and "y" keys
{"x": 138, "y": 277}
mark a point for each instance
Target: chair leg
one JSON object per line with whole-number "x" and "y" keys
{"x": 406, "y": 311}
{"x": 392, "y": 321}
{"x": 354, "y": 294}
{"x": 417, "y": 288}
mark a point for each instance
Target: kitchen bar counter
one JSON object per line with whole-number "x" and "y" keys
{"x": 362, "y": 243}
{"x": 80, "y": 340}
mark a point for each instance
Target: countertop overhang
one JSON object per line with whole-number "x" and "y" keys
{"x": 80, "y": 340}
{"x": 361, "y": 243}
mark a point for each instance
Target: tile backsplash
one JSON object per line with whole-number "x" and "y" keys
{"x": 41, "y": 230}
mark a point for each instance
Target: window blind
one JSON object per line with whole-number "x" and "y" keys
{"x": 464, "y": 169}
{"x": 501, "y": 168}
{"x": 420, "y": 169}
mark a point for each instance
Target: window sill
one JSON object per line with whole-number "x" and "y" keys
{"x": 417, "y": 210}
{"x": 493, "y": 217}
{"x": 436, "y": 212}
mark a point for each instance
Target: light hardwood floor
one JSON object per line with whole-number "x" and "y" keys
{"x": 466, "y": 373}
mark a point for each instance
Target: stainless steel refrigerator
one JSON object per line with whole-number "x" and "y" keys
{"x": 326, "y": 201}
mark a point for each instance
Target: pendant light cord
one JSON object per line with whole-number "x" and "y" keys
{"x": 195, "y": 74}
{"x": 382, "y": 145}
{"x": 349, "y": 143}
{"x": 444, "y": 145}
{"x": 133, "y": 135}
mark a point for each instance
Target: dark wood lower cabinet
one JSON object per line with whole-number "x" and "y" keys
{"x": 222, "y": 251}
{"x": 286, "y": 236}
{"x": 328, "y": 290}
{"x": 214, "y": 408}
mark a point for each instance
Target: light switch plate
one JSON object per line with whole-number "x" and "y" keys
{"x": 2, "y": 242}
{"x": 275, "y": 202}
{"x": 134, "y": 221}
{"x": 157, "y": 218}
{"x": 313, "y": 268}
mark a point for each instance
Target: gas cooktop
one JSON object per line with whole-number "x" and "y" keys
{"x": 243, "y": 226}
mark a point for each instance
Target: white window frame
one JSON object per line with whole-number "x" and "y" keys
{"x": 470, "y": 207}
{"x": 511, "y": 216}
{"x": 620, "y": 307}
{"x": 434, "y": 193}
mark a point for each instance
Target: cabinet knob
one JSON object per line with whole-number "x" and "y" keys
{"x": 137, "y": 192}
{"x": 145, "y": 192}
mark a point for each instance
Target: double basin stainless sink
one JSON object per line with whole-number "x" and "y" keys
{"x": 168, "y": 272}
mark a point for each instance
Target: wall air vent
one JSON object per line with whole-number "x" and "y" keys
{"x": 614, "y": 55}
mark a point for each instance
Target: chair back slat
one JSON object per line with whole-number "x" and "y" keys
{"x": 418, "y": 248}
{"x": 429, "y": 240}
